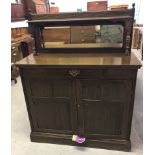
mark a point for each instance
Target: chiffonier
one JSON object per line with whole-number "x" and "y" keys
{"x": 81, "y": 89}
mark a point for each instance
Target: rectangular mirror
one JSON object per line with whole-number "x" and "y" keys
{"x": 93, "y": 36}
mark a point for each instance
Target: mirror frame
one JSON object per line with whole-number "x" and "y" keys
{"x": 37, "y": 22}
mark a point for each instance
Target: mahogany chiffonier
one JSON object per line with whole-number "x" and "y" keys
{"x": 81, "y": 89}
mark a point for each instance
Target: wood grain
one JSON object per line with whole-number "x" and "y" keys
{"x": 90, "y": 59}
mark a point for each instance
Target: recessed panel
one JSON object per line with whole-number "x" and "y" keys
{"x": 52, "y": 114}
{"x": 103, "y": 117}
{"x": 108, "y": 90}
{"x": 40, "y": 88}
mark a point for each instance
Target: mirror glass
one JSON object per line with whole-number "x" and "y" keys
{"x": 94, "y": 36}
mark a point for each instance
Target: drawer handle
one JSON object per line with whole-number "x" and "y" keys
{"x": 74, "y": 72}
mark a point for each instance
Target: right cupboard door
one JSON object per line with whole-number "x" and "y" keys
{"x": 103, "y": 108}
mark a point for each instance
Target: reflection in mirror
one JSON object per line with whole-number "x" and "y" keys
{"x": 98, "y": 36}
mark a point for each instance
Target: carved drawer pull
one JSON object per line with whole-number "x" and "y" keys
{"x": 74, "y": 72}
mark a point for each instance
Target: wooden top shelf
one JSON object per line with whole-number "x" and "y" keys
{"x": 78, "y": 19}
{"x": 64, "y": 60}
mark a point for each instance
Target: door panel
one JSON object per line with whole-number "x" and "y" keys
{"x": 53, "y": 113}
{"x": 52, "y": 104}
{"x": 102, "y": 117}
{"x": 103, "y": 104}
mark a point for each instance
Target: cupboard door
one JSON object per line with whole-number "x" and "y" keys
{"x": 103, "y": 107}
{"x": 51, "y": 104}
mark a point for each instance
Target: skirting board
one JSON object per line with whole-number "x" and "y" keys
{"x": 121, "y": 145}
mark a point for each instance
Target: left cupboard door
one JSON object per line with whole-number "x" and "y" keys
{"x": 51, "y": 104}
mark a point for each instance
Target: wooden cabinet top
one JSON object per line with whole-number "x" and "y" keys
{"x": 82, "y": 60}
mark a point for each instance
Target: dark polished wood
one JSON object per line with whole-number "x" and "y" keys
{"x": 81, "y": 92}
{"x": 110, "y": 144}
{"x": 90, "y": 59}
{"x": 37, "y": 23}
{"x": 91, "y": 95}
{"x": 83, "y": 14}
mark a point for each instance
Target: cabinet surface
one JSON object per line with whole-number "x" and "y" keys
{"x": 90, "y": 95}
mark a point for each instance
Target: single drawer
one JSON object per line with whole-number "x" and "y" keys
{"x": 103, "y": 73}
{"x": 46, "y": 73}
{"x": 80, "y": 73}
{"x": 107, "y": 73}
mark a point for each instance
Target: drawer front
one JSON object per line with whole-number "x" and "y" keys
{"x": 80, "y": 73}
{"x": 107, "y": 73}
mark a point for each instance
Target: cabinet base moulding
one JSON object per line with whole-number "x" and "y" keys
{"x": 110, "y": 144}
